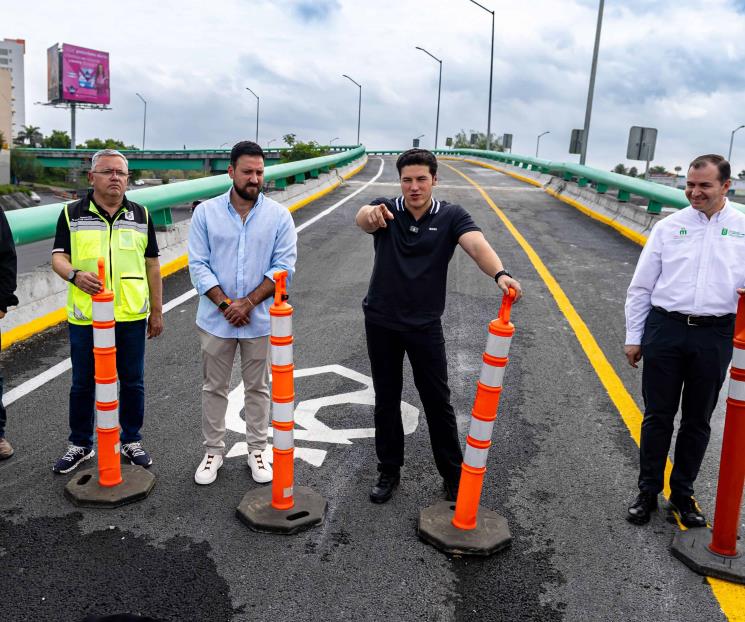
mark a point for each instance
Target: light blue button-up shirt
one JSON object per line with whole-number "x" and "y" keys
{"x": 237, "y": 255}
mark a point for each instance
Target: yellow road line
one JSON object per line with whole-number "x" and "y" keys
{"x": 731, "y": 597}
{"x": 40, "y": 324}
{"x": 627, "y": 232}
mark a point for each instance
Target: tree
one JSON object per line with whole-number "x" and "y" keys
{"x": 741, "y": 174}
{"x": 303, "y": 151}
{"x": 657, "y": 170}
{"x": 289, "y": 139}
{"x": 463, "y": 140}
{"x": 620, "y": 169}
{"x": 30, "y": 135}
{"x": 57, "y": 140}
{"x": 109, "y": 143}
{"x": 633, "y": 172}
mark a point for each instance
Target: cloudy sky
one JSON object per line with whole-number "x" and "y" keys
{"x": 678, "y": 65}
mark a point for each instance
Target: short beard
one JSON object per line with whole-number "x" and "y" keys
{"x": 245, "y": 195}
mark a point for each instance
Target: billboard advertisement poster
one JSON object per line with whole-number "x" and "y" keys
{"x": 85, "y": 75}
{"x": 53, "y": 92}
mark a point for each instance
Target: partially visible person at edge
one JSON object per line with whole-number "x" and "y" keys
{"x": 107, "y": 224}
{"x": 415, "y": 236}
{"x": 680, "y": 314}
{"x": 8, "y": 269}
{"x": 237, "y": 241}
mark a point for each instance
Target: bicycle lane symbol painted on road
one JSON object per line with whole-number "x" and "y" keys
{"x": 308, "y": 427}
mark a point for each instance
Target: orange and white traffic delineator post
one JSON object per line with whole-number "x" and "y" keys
{"x": 465, "y": 528}
{"x": 714, "y": 553}
{"x": 283, "y": 508}
{"x": 110, "y": 489}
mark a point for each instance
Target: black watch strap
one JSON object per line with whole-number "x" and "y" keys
{"x": 72, "y": 275}
{"x": 501, "y": 273}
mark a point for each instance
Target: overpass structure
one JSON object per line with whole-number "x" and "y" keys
{"x": 562, "y": 467}
{"x": 206, "y": 160}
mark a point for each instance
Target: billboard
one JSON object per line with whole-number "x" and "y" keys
{"x": 53, "y": 86}
{"x": 85, "y": 75}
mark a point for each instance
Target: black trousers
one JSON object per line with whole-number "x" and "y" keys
{"x": 426, "y": 351}
{"x": 679, "y": 358}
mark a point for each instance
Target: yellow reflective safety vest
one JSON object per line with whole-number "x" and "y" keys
{"x": 122, "y": 244}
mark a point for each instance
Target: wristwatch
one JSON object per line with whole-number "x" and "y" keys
{"x": 501, "y": 273}
{"x": 71, "y": 275}
{"x": 224, "y": 304}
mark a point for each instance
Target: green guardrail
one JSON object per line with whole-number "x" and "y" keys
{"x": 658, "y": 195}
{"x": 32, "y": 224}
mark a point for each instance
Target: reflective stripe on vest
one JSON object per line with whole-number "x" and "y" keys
{"x": 122, "y": 245}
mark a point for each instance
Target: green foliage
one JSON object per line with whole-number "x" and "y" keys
{"x": 29, "y": 136}
{"x": 463, "y": 140}
{"x": 58, "y": 139}
{"x": 24, "y": 167}
{"x": 657, "y": 170}
{"x": 633, "y": 172}
{"x": 289, "y": 139}
{"x": 109, "y": 143}
{"x": 10, "y": 189}
{"x": 302, "y": 151}
{"x": 620, "y": 169}
{"x": 741, "y": 174}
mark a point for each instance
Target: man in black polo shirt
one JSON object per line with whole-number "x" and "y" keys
{"x": 415, "y": 237}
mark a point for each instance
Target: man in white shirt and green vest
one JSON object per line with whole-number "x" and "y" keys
{"x": 106, "y": 224}
{"x": 680, "y": 313}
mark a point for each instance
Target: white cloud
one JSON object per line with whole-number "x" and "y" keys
{"x": 674, "y": 65}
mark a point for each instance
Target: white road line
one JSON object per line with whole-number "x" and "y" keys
{"x": 34, "y": 383}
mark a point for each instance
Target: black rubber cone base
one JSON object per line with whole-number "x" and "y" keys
{"x": 255, "y": 509}
{"x": 692, "y": 548}
{"x": 84, "y": 490}
{"x": 492, "y": 533}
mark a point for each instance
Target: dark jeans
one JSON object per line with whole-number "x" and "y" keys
{"x": 3, "y": 414}
{"x": 130, "y": 367}
{"x": 426, "y": 351}
{"x": 691, "y": 359}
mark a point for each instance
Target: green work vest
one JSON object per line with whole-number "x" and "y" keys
{"x": 122, "y": 245}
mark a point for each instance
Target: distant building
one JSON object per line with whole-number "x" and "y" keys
{"x": 11, "y": 58}
{"x": 6, "y": 97}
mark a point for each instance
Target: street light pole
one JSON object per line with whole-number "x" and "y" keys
{"x": 257, "y": 113}
{"x": 491, "y": 75}
{"x": 144, "y": 120}
{"x": 731, "y": 140}
{"x": 439, "y": 88}
{"x": 359, "y": 105}
{"x": 591, "y": 89}
{"x": 538, "y": 141}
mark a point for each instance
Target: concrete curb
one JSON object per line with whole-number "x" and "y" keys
{"x": 43, "y": 294}
{"x": 630, "y": 220}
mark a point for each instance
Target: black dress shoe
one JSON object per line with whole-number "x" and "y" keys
{"x": 641, "y": 510}
{"x": 451, "y": 489}
{"x": 688, "y": 511}
{"x": 383, "y": 490}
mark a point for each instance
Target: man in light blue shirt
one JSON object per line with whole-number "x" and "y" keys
{"x": 237, "y": 241}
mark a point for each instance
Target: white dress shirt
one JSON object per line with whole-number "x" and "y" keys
{"x": 689, "y": 264}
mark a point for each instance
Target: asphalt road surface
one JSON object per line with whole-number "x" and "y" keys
{"x": 562, "y": 467}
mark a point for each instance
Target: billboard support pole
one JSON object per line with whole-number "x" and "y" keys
{"x": 72, "y": 125}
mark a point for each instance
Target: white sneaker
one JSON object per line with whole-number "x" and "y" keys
{"x": 207, "y": 470}
{"x": 261, "y": 470}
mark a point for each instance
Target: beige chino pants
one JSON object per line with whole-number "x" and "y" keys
{"x": 218, "y": 356}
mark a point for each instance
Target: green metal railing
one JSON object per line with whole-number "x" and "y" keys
{"x": 38, "y": 223}
{"x": 657, "y": 194}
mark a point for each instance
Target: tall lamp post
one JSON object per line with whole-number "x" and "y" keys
{"x": 538, "y": 141}
{"x": 491, "y": 75}
{"x": 359, "y": 105}
{"x": 591, "y": 89}
{"x": 731, "y": 140}
{"x": 439, "y": 88}
{"x": 144, "y": 120}
{"x": 257, "y": 113}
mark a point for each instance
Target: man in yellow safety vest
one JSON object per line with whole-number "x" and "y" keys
{"x": 106, "y": 224}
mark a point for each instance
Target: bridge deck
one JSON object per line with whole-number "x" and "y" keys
{"x": 562, "y": 467}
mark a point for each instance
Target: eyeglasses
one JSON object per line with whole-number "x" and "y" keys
{"x": 110, "y": 172}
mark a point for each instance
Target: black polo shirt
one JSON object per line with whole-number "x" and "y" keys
{"x": 409, "y": 277}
